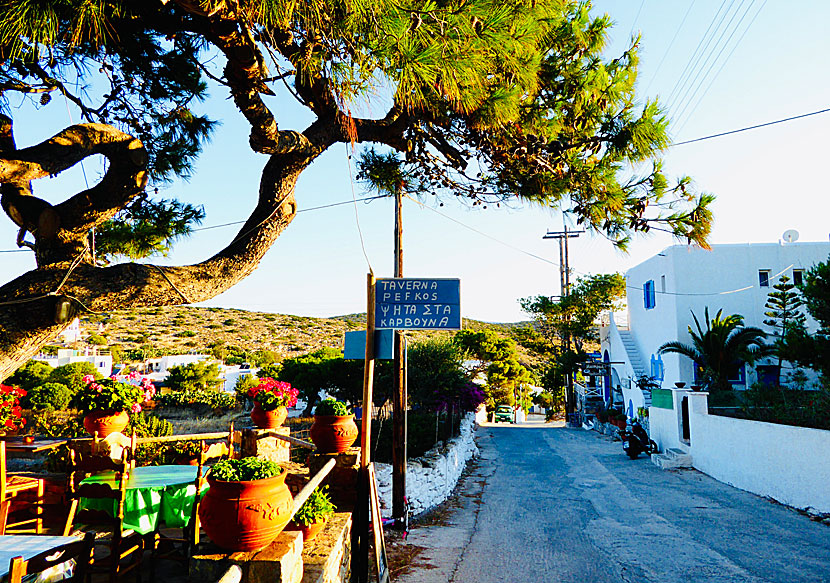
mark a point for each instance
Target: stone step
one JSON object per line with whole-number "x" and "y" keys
{"x": 672, "y": 458}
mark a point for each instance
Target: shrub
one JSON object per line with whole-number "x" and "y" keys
{"x": 30, "y": 375}
{"x": 316, "y": 508}
{"x": 72, "y": 375}
{"x": 144, "y": 425}
{"x": 246, "y": 469}
{"x": 195, "y": 398}
{"x": 331, "y": 407}
{"x": 49, "y": 396}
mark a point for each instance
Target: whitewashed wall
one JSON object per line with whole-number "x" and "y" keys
{"x": 430, "y": 479}
{"x": 789, "y": 464}
{"x": 662, "y": 425}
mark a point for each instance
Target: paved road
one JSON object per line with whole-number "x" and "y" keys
{"x": 565, "y": 505}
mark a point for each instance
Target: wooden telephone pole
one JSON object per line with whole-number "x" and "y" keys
{"x": 565, "y": 283}
{"x": 399, "y": 389}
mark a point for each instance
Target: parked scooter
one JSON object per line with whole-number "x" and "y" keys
{"x": 635, "y": 440}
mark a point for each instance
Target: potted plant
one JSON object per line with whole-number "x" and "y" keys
{"x": 185, "y": 453}
{"x": 270, "y": 399}
{"x": 247, "y": 504}
{"x": 106, "y": 403}
{"x": 621, "y": 419}
{"x": 334, "y": 429}
{"x": 602, "y": 416}
{"x": 312, "y": 516}
{"x": 11, "y": 418}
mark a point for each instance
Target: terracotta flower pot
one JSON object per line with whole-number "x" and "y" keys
{"x": 268, "y": 419}
{"x": 333, "y": 433}
{"x": 105, "y": 422}
{"x": 309, "y": 531}
{"x": 245, "y": 516}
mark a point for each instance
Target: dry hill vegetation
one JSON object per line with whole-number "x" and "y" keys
{"x": 219, "y": 331}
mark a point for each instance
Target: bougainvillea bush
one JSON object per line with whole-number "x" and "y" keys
{"x": 10, "y": 411}
{"x": 113, "y": 395}
{"x": 271, "y": 394}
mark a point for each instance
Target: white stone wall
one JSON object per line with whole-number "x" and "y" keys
{"x": 789, "y": 464}
{"x": 430, "y": 479}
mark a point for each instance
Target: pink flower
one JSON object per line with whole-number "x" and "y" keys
{"x": 136, "y": 408}
{"x": 88, "y": 378}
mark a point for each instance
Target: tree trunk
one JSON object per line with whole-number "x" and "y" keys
{"x": 27, "y": 304}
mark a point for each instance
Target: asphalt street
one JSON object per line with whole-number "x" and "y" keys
{"x": 547, "y": 503}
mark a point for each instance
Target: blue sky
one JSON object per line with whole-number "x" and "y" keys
{"x": 766, "y": 180}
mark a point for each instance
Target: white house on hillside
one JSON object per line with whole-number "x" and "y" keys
{"x": 666, "y": 289}
{"x": 101, "y": 362}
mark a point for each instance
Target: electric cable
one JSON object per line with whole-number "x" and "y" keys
{"x": 717, "y": 74}
{"x": 683, "y": 74}
{"x": 356, "y": 214}
{"x": 715, "y": 60}
{"x": 703, "y": 60}
{"x": 668, "y": 50}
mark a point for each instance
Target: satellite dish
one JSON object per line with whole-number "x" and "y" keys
{"x": 790, "y": 235}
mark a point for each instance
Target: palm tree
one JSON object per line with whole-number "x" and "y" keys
{"x": 717, "y": 350}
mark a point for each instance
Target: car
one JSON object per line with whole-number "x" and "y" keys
{"x": 504, "y": 413}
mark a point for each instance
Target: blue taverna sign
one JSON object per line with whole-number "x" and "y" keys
{"x": 418, "y": 304}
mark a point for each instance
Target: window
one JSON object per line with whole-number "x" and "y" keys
{"x": 763, "y": 277}
{"x": 658, "y": 371}
{"x": 648, "y": 294}
{"x": 798, "y": 277}
{"x": 663, "y": 283}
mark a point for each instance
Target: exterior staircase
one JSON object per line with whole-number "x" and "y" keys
{"x": 637, "y": 364}
{"x": 671, "y": 459}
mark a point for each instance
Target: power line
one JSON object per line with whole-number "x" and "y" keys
{"x": 668, "y": 50}
{"x": 755, "y": 127}
{"x": 704, "y": 60}
{"x": 728, "y": 57}
{"x": 717, "y": 57}
{"x": 483, "y": 234}
{"x": 694, "y": 58}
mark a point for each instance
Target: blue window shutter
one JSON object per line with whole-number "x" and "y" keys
{"x": 648, "y": 294}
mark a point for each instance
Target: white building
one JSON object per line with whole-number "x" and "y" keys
{"x": 665, "y": 290}
{"x": 71, "y": 333}
{"x": 102, "y": 362}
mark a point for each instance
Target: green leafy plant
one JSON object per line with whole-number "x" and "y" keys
{"x": 111, "y": 395}
{"x": 194, "y": 398}
{"x": 185, "y": 449}
{"x": 49, "y": 396}
{"x": 316, "y": 508}
{"x": 245, "y": 469}
{"x": 331, "y": 407}
{"x": 146, "y": 425}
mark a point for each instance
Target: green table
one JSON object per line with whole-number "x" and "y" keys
{"x": 156, "y": 496}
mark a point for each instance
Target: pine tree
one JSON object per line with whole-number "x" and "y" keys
{"x": 484, "y": 100}
{"x": 784, "y": 317}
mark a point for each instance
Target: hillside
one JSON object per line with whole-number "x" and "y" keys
{"x": 184, "y": 329}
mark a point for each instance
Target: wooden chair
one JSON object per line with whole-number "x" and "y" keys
{"x": 120, "y": 543}
{"x": 12, "y": 484}
{"x": 4, "y": 515}
{"x": 181, "y": 546}
{"x": 80, "y": 551}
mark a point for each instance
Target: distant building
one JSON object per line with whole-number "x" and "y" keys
{"x": 666, "y": 289}
{"x": 102, "y": 362}
{"x": 71, "y": 333}
{"x": 157, "y": 369}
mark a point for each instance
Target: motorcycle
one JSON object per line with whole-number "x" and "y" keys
{"x": 635, "y": 441}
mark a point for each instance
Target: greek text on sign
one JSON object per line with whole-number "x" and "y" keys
{"x": 418, "y": 304}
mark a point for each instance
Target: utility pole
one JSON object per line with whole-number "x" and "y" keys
{"x": 565, "y": 283}
{"x": 399, "y": 389}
